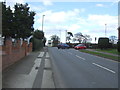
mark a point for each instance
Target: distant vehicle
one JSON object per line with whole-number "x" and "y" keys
{"x": 80, "y": 46}
{"x": 63, "y": 46}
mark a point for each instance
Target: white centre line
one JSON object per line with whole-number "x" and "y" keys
{"x": 80, "y": 57}
{"x": 104, "y": 68}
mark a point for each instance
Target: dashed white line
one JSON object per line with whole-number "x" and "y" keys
{"x": 80, "y": 57}
{"x": 41, "y": 54}
{"x": 104, "y": 68}
{"x": 47, "y": 55}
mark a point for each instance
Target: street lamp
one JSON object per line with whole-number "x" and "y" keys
{"x": 105, "y": 29}
{"x": 42, "y": 21}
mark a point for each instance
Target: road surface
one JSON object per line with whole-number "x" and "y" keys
{"x": 74, "y": 69}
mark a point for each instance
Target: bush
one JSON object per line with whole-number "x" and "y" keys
{"x": 93, "y": 46}
{"x": 118, "y": 46}
{"x": 37, "y": 44}
{"x": 114, "y": 46}
{"x": 103, "y": 43}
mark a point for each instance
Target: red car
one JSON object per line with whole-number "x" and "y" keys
{"x": 80, "y": 46}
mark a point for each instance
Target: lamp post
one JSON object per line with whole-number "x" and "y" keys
{"x": 105, "y": 29}
{"x": 42, "y": 21}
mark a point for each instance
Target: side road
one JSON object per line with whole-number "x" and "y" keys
{"x": 30, "y": 72}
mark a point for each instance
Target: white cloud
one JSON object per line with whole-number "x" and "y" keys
{"x": 74, "y": 27}
{"x": 36, "y": 8}
{"x": 99, "y": 5}
{"x": 58, "y": 17}
{"x": 101, "y": 20}
{"x": 47, "y": 2}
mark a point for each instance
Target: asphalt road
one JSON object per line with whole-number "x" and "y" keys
{"x": 74, "y": 69}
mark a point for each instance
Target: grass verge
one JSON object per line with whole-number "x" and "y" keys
{"x": 113, "y": 51}
{"x": 102, "y": 55}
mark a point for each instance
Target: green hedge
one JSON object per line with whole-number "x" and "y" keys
{"x": 37, "y": 44}
{"x": 103, "y": 43}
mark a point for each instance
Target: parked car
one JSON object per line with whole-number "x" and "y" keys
{"x": 80, "y": 46}
{"x": 63, "y": 46}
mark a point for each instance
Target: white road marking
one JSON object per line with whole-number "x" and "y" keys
{"x": 37, "y": 64}
{"x": 104, "y": 68}
{"x": 80, "y": 57}
{"x": 47, "y": 63}
{"x": 47, "y": 81}
{"x": 41, "y": 54}
{"x": 47, "y": 55}
{"x": 24, "y": 80}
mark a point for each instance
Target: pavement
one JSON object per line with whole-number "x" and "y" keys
{"x": 32, "y": 71}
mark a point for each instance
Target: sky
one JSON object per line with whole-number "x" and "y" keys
{"x": 88, "y": 17}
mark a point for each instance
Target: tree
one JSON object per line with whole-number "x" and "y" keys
{"x": 113, "y": 39}
{"x": 55, "y": 37}
{"x": 23, "y": 21}
{"x": 7, "y": 21}
{"x": 78, "y": 37}
{"x": 86, "y": 38}
{"x": 82, "y": 38}
{"x": 55, "y": 40}
{"x": 69, "y": 35}
{"x": 38, "y": 34}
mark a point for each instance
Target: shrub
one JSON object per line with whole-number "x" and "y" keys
{"x": 103, "y": 43}
{"x": 37, "y": 44}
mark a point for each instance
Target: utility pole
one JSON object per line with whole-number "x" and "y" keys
{"x": 42, "y": 21}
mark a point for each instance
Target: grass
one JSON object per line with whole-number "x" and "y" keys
{"x": 101, "y": 55}
{"x": 113, "y": 51}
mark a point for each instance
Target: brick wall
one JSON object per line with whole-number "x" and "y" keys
{"x": 13, "y": 53}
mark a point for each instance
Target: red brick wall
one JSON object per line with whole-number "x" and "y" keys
{"x": 12, "y": 54}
